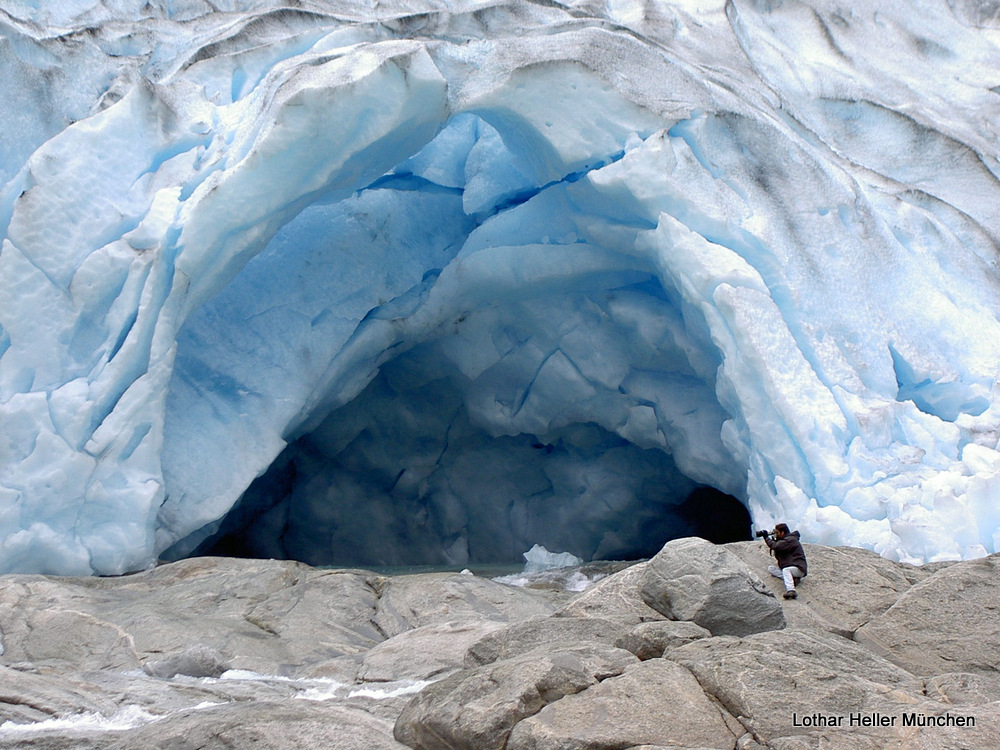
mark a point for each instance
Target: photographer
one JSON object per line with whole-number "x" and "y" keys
{"x": 788, "y": 553}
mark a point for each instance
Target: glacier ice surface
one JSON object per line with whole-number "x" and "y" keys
{"x": 437, "y": 282}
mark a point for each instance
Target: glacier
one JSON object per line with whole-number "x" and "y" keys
{"x": 423, "y": 281}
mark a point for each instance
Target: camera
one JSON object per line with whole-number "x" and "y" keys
{"x": 762, "y": 533}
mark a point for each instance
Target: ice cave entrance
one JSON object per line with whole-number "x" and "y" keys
{"x": 457, "y": 362}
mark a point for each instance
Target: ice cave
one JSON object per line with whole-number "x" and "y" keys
{"x": 431, "y": 283}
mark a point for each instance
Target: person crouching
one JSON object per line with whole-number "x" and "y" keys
{"x": 791, "y": 558}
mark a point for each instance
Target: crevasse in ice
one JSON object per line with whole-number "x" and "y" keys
{"x": 435, "y": 282}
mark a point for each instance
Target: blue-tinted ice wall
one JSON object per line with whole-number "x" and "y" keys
{"x": 435, "y": 461}
{"x": 756, "y": 240}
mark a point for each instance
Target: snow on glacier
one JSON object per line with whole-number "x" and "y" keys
{"x": 425, "y": 282}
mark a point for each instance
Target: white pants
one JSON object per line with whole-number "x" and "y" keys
{"x": 788, "y": 575}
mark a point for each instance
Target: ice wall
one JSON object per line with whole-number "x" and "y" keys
{"x": 750, "y": 246}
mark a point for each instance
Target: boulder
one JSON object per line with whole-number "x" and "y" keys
{"x": 424, "y": 653}
{"x": 476, "y": 709}
{"x": 692, "y": 579}
{"x": 650, "y": 640}
{"x": 949, "y": 622}
{"x": 197, "y": 661}
{"x": 413, "y": 601}
{"x": 771, "y": 680}
{"x": 616, "y": 597}
{"x": 652, "y": 703}
{"x": 324, "y": 615}
{"x": 557, "y": 632}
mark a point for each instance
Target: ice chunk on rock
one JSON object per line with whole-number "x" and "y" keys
{"x": 538, "y": 559}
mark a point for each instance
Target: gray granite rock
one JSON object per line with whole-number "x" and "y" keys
{"x": 324, "y": 614}
{"x": 49, "y": 623}
{"x": 412, "y": 601}
{"x": 197, "y": 661}
{"x": 555, "y": 632}
{"x": 772, "y": 680}
{"x": 268, "y": 616}
{"x": 56, "y": 741}
{"x": 27, "y": 697}
{"x": 650, "y": 640}
{"x": 949, "y": 622}
{"x": 984, "y": 735}
{"x": 616, "y": 597}
{"x": 652, "y": 703}
{"x": 692, "y": 579}
{"x": 289, "y": 725}
{"x": 476, "y": 709}
{"x": 964, "y": 688}
{"x": 846, "y": 587}
{"x": 424, "y": 653}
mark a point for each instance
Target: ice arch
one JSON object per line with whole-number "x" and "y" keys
{"x": 728, "y": 236}
{"x": 483, "y": 315}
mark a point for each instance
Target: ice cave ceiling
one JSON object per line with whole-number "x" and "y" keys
{"x": 432, "y": 284}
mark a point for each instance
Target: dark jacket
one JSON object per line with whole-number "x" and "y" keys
{"x": 788, "y": 551}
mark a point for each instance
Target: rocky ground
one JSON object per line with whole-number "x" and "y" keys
{"x": 688, "y": 650}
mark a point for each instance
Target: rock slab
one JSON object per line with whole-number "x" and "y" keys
{"x": 949, "y": 622}
{"x": 656, "y": 702}
{"x": 476, "y": 709}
